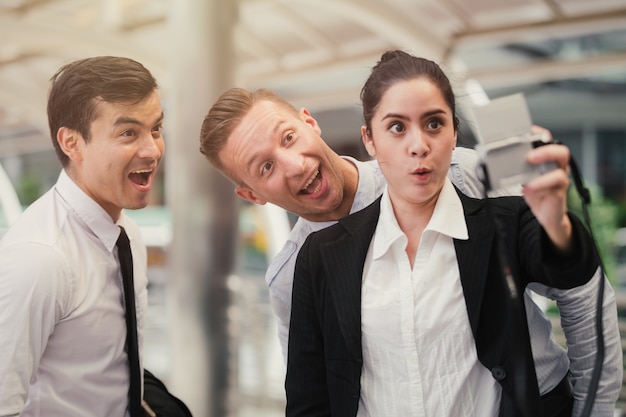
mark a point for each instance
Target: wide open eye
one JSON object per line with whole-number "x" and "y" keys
{"x": 397, "y": 127}
{"x": 266, "y": 167}
{"x": 434, "y": 124}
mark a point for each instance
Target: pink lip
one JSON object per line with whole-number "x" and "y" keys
{"x": 421, "y": 173}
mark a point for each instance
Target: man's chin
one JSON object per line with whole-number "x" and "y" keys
{"x": 136, "y": 205}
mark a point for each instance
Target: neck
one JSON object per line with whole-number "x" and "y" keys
{"x": 351, "y": 183}
{"x": 412, "y": 217}
{"x": 412, "y": 221}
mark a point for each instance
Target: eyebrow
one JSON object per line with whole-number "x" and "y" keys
{"x": 434, "y": 112}
{"x": 394, "y": 116}
{"x": 130, "y": 120}
{"x": 404, "y": 117}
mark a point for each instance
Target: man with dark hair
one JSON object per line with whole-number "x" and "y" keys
{"x": 63, "y": 349}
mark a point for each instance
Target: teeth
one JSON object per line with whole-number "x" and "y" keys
{"x": 142, "y": 171}
{"x": 315, "y": 174}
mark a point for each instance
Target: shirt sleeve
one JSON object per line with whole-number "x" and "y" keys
{"x": 34, "y": 290}
{"x": 279, "y": 277}
{"x": 464, "y": 172}
{"x": 578, "y": 312}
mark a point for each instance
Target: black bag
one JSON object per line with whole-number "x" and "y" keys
{"x": 160, "y": 400}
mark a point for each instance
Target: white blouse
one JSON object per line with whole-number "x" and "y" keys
{"x": 419, "y": 355}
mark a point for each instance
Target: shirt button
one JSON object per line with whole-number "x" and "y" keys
{"x": 498, "y": 373}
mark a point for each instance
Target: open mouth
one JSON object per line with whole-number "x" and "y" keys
{"x": 313, "y": 185}
{"x": 140, "y": 177}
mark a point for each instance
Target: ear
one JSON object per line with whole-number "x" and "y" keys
{"x": 71, "y": 143}
{"x": 368, "y": 142}
{"x": 249, "y": 195}
{"x": 455, "y": 137}
{"x": 308, "y": 119}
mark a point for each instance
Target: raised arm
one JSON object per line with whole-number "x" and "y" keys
{"x": 546, "y": 195}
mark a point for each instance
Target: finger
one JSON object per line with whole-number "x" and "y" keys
{"x": 545, "y": 134}
{"x": 557, "y": 153}
{"x": 553, "y": 180}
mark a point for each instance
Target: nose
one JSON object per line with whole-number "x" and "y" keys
{"x": 293, "y": 163}
{"x": 417, "y": 143}
{"x": 151, "y": 148}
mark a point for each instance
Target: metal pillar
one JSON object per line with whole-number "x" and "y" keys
{"x": 203, "y": 206}
{"x": 589, "y": 147}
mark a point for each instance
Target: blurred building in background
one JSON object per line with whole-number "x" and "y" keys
{"x": 211, "y": 333}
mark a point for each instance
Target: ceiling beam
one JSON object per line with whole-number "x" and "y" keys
{"x": 308, "y": 32}
{"x": 56, "y": 38}
{"x": 26, "y": 6}
{"x": 541, "y": 72}
{"x": 388, "y": 23}
{"x": 555, "y": 8}
{"x": 323, "y": 70}
{"x": 552, "y": 29}
{"x": 254, "y": 46}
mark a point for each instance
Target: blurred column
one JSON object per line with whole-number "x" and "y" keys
{"x": 589, "y": 148}
{"x": 203, "y": 207}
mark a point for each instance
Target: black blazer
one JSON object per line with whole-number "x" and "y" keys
{"x": 324, "y": 356}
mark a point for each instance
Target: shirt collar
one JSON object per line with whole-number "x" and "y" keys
{"x": 90, "y": 212}
{"x": 448, "y": 219}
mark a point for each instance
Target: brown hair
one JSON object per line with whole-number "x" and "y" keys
{"x": 395, "y": 66}
{"x": 78, "y": 87}
{"x": 224, "y": 116}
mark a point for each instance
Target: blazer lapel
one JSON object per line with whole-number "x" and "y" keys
{"x": 344, "y": 258}
{"x": 343, "y": 261}
{"x": 472, "y": 256}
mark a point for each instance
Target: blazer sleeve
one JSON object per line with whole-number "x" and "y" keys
{"x": 544, "y": 264}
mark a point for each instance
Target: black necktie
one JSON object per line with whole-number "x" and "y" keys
{"x": 126, "y": 265}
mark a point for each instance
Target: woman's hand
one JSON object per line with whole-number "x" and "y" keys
{"x": 546, "y": 195}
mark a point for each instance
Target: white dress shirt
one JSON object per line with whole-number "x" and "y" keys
{"x": 419, "y": 355}
{"x": 62, "y": 308}
{"x": 577, "y": 308}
